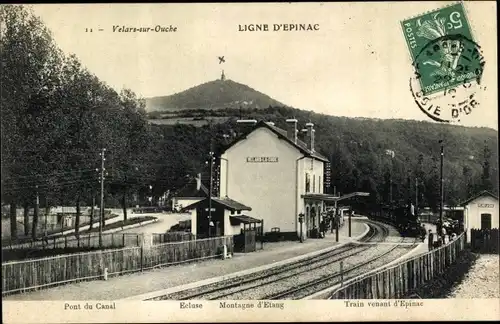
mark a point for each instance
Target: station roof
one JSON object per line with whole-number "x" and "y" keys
{"x": 189, "y": 190}
{"x": 282, "y": 134}
{"x": 479, "y": 194}
{"x": 225, "y": 202}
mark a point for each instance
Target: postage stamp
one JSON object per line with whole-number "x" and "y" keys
{"x": 447, "y": 61}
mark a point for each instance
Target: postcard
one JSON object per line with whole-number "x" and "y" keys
{"x": 249, "y": 162}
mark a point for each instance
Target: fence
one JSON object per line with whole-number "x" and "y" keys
{"x": 91, "y": 240}
{"x": 20, "y": 276}
{"x": 400, "y": 280}
{"x": 159, "y": 238}
{"x": 484, "y": 240}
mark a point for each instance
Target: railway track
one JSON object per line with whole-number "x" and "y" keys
{"x": 248, "y": 287}
{"x": 309, "y": 288}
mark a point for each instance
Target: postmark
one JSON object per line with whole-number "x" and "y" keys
{"x": 448, "y": 64}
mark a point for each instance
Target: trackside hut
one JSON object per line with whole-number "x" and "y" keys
{"x": 481, "y": 212}
{"x": 277, "y": 174}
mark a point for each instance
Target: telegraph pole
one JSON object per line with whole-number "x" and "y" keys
{"x": 211, "y": 161}
{"x": 441, "y": 185}
{"x": 416, "y": 196}
{"x": 101, "y": 216}
{"x": 37, "y": 209}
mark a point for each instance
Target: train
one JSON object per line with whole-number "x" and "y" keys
{"x": 407, "y": 222}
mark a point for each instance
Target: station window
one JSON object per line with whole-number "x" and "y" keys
{"x": 319, "y": 184}
{"x": 314, "y": 183}
{"x": 232, "y": 212}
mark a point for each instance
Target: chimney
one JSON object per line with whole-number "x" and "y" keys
{"x": 310, "y": 136}
{"x": 291, "y": 129}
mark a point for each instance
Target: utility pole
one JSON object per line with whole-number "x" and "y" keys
{"x": 37, "y": 211}
{"x": 46, "y": 213}
{"x": 211, "y": 161}
{"x": 441, "y": 185}
{"x": 416, "y": 196}
{"x": 101, "y": 214}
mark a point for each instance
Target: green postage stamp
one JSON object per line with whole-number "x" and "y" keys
{"x": 443, "y": 49}
{"x": 447, "y": 62}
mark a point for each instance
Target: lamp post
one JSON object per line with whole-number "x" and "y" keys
{"x": 301, "y": 220}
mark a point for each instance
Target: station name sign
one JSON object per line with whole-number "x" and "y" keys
{"x": 485, "y": 205}
{"x": 262, "y": 159}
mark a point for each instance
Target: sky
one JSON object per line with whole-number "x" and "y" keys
{"x": 356, "y": 65}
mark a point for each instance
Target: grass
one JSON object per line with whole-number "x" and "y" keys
{"x": 28, "y": 238}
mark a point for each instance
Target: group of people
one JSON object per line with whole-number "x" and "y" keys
{"x": 441, "y": 237}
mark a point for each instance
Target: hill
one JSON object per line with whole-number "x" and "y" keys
{"x": 212, "y": 95}
{"x": 356, "y": 146}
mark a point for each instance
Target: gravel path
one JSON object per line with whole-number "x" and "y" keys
{"x": 165, "y": 221}
{"x": 482, "y": 280}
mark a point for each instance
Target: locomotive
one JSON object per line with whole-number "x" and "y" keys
{"x": 408, "y": 222}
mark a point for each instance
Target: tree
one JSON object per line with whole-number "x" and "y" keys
{"x": 30, "y": 65}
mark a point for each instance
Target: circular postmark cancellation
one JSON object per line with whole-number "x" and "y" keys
{"x": 447, "y": 77}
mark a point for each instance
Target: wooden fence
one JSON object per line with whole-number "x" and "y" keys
{"x": 90, "y": 240}
{"x": 400, "y": 280}
{"x": 20, "y": 276}
{"x": 159, "y": 238}
{"x": 484, "y": 240}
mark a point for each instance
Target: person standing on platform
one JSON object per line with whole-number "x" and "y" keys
{"x": 443, "y": 234}
{"x": 430, "y": 240}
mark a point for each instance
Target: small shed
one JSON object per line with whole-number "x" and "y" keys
{"x": 216, "y": 216}
{"x": 481, "y": 212}
{"x": 252, "y": 229}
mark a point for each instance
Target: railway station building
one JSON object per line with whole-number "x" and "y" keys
{"x": 268, "y": 179}
{"x": 278, "y": 175}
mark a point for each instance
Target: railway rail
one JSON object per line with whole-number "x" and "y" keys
{"x": 319, "y": 273}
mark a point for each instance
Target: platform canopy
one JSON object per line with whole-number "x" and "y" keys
{"x": 243, "y": 219}
{"x": 327, "y": 197}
